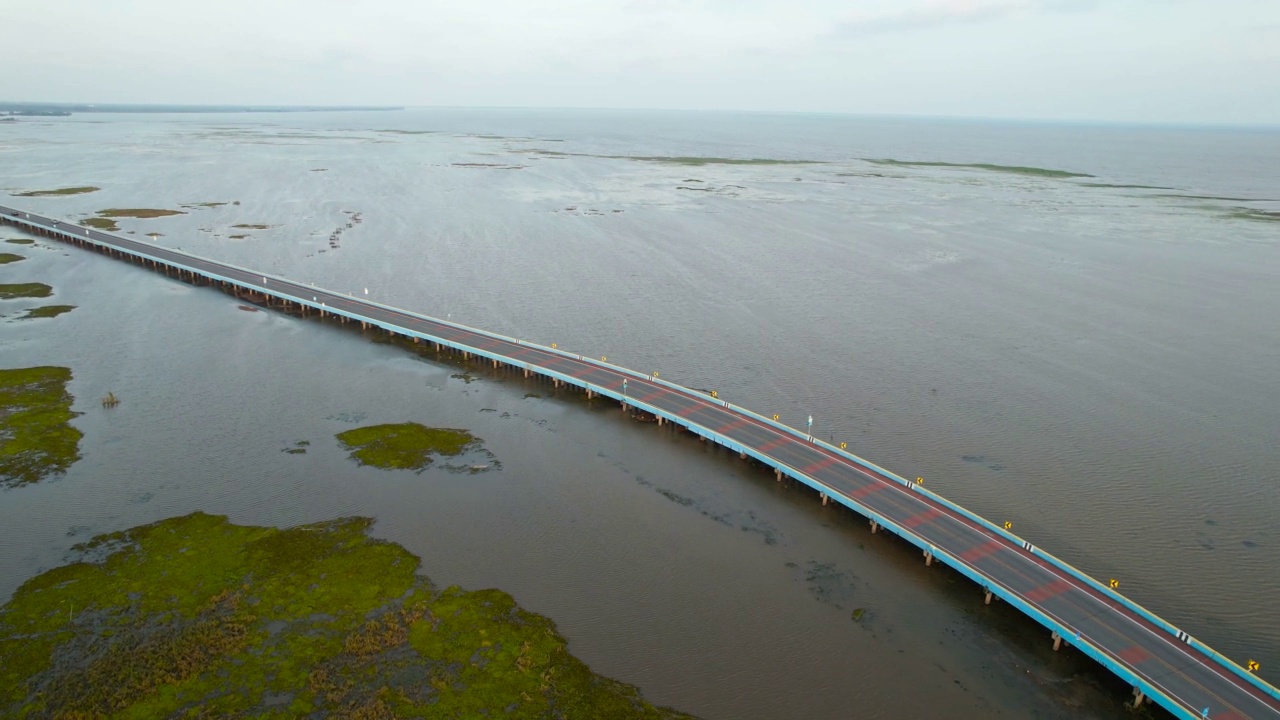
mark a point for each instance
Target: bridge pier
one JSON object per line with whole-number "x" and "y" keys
{"x": 1139, "y": 697}
{"x": 495, "y": 364}
{"x": 1057, "y": 640}
{"x": 824, "y": 499}
{"x": 661, "y": 421}
{"x": 928, "y": 560}
{"x": 527, "y": 373}
{"x": 987, "y": 599}
{"x": 742, "y": 456}
{"x": 777, "y": 474}
{"x": 875, "y": 526}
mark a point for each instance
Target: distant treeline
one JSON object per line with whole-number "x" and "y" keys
{"x": 47, "y": 109}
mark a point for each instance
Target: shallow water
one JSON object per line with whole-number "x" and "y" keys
{"x": 1097, "y": 365}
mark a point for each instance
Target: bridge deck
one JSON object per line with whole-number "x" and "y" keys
{"x": 1175, "y": 670}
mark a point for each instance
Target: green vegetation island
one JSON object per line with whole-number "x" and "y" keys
{"x": 46, "y": 311}
{"x": 36, "y": 436}
{"x": 196, "y": 617}
{"x": 12, "y": 291}
{"x": 58, "y": 192}
{"x": 404, "y": 446}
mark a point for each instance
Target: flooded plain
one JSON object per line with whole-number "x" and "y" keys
{"x": 1069, "y": 328}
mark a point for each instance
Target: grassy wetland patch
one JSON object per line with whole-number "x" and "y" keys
{"x": 404, "y": 446}
{"x": 12, "y": 291}
{"x": 36, "y": 438}
{"x": 1014, "y": 169}
{"x": 197, "y": 617}
{"x": 47, "y": 311}
{"x": 137, "y": 213}
{"x": 21, "y": 241}
{"x": 6, "y": 258}
{"x": 58, "y": 192}
{"x": 98, "y": 223}
{"x": 254, "y": 226}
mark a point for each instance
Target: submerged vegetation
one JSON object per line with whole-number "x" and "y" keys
{"x": 59, "y": 191}
{"x": 47, "y": 311}
{"x": 1015, "y": 169}
{"x": 247, "y": 226}
{"x": 21, "y": 241}
{"x": 36, "y": 437}
{"x": 404, "y": 446}
{"x": 677, "y": 159}
{"x": 11, "y": 291}
{"x": 6, "y": 258}
{"x": 197, "y": 617}
{"x": 1242, "y": 213}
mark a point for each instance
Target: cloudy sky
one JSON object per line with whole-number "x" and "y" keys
{"x": 1127, "y": 60}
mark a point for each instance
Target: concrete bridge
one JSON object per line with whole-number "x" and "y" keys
{"x": 1164, "y": 664}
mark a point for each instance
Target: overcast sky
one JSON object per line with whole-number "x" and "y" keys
{"x": 1128, "y": 60}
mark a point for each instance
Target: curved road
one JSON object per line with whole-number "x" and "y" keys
{"x": 1176, "y": 674}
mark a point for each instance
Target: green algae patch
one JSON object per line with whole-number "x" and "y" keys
{"x": 21, "y": 241}
{"x": 197, "y": 617}
{"x": 98, "y": 223}
{"x": 24, "y": 290}
{"x": 36, "y": 437}
{"x": 47, "y": 311}
{"x": 255, "y": 226}
{"x": 58, "y": 192}
{"x": 6, "y": 258}
{"x": 137, "y": 213}
{"x": 404, "y": 446}
{"x": 1014, "y": 169}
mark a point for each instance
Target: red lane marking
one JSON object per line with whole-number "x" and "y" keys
{"x": 659, "y": 393}
{"x": 1044, "y": 592}
{"x": 921, "y": 518}
{"x": 688, "y": 411}
{"x": 815, "y": 467}
{"x": 975, "y": 554}
{"x": 1133, "y": 655}
{"x": 774, "y": 444}
{"x": 733, "y": 425}
{"x": 866, "y": 490}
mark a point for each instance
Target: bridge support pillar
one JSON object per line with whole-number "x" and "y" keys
{"x": 1138, "y": 697}
{"x": 527, "y": 373}
{"x": 777, "y": 474}
{"x": 874, "y": 527}
{"x": 495, "y": 364}
{"x": 928, "y": 560}
{"x": 363, "y": 325}
{"x": 590, "y": 394}
{"x": 742, "y": 456}
{"x": 987, "y": 599}
{"x": 661, "y": 421}
{"x": 824, "y": 499}
{"x": 1057, "y": 640}
{"x": 416, "y": 340}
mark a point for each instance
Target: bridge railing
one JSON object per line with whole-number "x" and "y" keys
{"x": 280, "y": 291}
